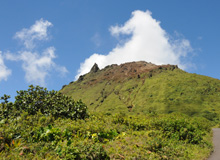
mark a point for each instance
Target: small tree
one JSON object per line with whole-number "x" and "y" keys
{"x": 47, "y": 102}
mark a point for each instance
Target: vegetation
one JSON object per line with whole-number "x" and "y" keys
{"x": 102, "y": 136}
{"x": 47, "y": 102}
{"x": 163, "y": 113}
{"x": 30, "y": 131}
{"x": 161, "y": 90}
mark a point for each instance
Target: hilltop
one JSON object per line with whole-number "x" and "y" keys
{"x": 141, "y": 87}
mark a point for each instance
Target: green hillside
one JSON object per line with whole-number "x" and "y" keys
{"x": 43, "y": 124}
{"x": 141, "y": 87}
{"x": 136, "y": 110}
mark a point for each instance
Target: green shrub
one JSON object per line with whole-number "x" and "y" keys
{"x": 82, "y": 151}
{"x": 181, "y": 128}
{"x": 172, "y": 136}
{"x": 47, "y": 102}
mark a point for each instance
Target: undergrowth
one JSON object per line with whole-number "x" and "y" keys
{"x": 43, "y": 124}
{"x": 103, "y": 136}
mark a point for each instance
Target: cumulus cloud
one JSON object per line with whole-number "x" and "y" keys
{"x": 4, "y": 71}
{"x": 37, "y": 65}
{"x": 38, "y": 31}
{"x": 147, "y": 41}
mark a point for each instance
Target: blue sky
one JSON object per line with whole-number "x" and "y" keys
{"x": 51, "y": 42}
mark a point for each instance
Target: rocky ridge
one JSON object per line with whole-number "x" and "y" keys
{"x": 124, "y": 71}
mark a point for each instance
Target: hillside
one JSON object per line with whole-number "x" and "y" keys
{"x": 141, "y": 87}
{"x": 43, "y": 124}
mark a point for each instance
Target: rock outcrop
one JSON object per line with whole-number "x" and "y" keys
{"x": 95, "y": 68}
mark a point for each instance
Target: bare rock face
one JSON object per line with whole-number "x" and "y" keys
{"x": 95, "y": 68}
{"x": 81, "y": 78}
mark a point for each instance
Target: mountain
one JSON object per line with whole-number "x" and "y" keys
{"x": 141, "y": 87}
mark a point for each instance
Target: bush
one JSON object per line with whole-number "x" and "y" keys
{"x": 47, "y": 102}
{"x": 84, "y": 151}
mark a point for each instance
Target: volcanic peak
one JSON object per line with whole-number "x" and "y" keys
{"x": 123, "y": 71}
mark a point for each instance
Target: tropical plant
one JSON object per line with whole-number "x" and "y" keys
{"x": 47, "y": 102}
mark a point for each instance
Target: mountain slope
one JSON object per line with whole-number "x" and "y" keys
{"x": 140, "y": 87}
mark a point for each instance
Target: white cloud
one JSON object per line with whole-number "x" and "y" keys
{"x": 4, "y": 71}
{"x": 148, "y": 42}
{"x": 38, "y": 31}
{"x": 37, "y": 66}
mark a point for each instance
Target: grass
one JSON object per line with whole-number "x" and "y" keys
{"x": 101, "y": 136}
{"x": 162, "y": 114}
{"x": 166, "y": 91}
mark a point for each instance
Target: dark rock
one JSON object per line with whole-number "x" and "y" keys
{"x": 71, "y": 82}
{"x": 63, "y": 86}
{"x": 129, "y": 106}
{"x": 81, "y": 78}
{"x": 95, "y": 68}
{"x": 173, "y": 67}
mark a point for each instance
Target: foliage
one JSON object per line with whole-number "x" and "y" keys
{"x": 102, "y": 136}
{"x": 43, "y": 124}
{"x": 6, "y": 107}
{"x": 47, "y": 102}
